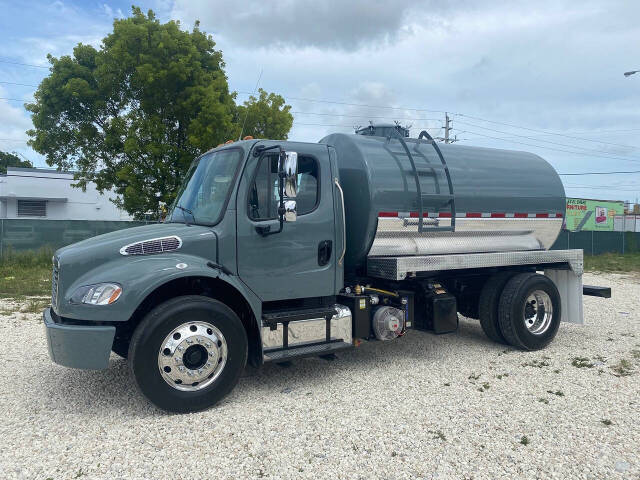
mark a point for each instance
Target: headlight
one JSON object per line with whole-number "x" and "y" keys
{"x": 99, "y": 294}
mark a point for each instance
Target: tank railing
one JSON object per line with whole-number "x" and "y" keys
{"x": 421, "y": 197}
{"x": 415, "y": 176}
{"x": 445, "y": 167}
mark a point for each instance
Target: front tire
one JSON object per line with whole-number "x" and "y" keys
{"x": 529, "y": 311}
{"x": 188, "y": 353}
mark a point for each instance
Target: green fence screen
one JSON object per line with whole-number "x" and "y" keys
{"x": 22, "y": 234}
{"x": 598, "y": 242}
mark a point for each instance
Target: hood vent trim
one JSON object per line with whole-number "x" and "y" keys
{"x": 153, "y": 246}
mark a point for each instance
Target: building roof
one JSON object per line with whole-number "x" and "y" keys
{"x": 38, "y": 170}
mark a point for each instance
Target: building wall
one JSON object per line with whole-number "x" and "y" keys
{"x": 64, "y": 202}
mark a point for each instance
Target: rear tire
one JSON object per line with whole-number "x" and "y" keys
{"x": 529, "y": 312}
{"x": 209, "y": 331}
{"x": 488, "y": 306}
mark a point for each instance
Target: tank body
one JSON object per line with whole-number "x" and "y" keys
{"x": 504, "y": 200}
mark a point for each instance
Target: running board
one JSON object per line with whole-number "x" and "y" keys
{"x": 301, "y": 351}
{"x": 284, "y": 316}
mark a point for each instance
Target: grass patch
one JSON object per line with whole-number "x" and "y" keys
{"x": 437, "y": 434}
{"x": 558, "y": 393}
{"x": 25, "y": 273}
{"x": 581, "y": 362}
{"x": 35, "y": 306}
{"x": 536, "y": 363}
{"x": 623, "y": 368}
{"x": 524, "y": 440}
{"x": 544, "y": 400}
{"x": 606, "y": 421}
{"x": 612, "y": 262}
{"x": 484, "y": 387}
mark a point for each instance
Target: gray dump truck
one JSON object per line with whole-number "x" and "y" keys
{"x": 276, "y": 250}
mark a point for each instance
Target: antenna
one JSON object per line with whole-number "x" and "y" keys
{"x": 247, "y": 112}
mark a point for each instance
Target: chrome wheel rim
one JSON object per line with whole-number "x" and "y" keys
{"x": 192, "y": 356}
{"x": 538, "y": 312}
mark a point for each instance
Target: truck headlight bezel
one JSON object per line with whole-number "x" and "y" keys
{"x": 106, "y": 293}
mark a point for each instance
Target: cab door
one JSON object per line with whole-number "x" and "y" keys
{"x": 299, "y": 261}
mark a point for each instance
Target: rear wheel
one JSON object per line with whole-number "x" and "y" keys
{"x": 188, "y": 353}
{"x": 488, "y": 306}
{"x": 529, "y": 311}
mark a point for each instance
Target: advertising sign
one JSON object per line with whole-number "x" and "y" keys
{"x": 586, "y": 214}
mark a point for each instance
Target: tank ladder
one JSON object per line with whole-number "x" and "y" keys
{"x": 447, "y": 199}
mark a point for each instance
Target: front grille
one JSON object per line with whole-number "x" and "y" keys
{"x": 153, "y": 246}
{"x": 55, "y": 275}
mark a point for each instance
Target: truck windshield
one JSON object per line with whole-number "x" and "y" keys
{"x": 204, "y": 192}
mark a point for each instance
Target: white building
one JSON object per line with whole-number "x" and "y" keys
{"x": 48, "y": 194}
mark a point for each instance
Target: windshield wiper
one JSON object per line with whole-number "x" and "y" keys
{"x": 184, "y": 209}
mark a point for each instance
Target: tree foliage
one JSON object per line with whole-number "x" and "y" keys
{"x": 132, "y": 115}
{"x": 12, "y": 160}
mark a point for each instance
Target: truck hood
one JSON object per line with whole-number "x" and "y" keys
{"x": 107, "y": 246}
{"x": 86, "y": 261}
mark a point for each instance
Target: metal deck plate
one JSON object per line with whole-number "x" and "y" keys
{"x": 399, "y": 268}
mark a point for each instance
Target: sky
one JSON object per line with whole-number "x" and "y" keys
{"x": 544, "y": 76}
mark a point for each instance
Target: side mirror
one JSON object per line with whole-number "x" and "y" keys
{"x": 290, "y": 211}
{"x": 290, "y": 168}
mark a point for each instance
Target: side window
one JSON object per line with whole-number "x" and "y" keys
{"x": 263, "y": 194}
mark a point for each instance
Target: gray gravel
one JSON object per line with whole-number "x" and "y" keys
{"x": 452, "y": 406}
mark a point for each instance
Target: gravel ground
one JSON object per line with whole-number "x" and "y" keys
{"x": 425, "y": 406}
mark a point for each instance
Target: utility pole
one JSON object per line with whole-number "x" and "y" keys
{"x": 447, "y": 127}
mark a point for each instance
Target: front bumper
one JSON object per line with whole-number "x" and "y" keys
{"x": 78, "y": 346}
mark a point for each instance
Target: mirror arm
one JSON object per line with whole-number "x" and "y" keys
{"x": 265, "y": 230}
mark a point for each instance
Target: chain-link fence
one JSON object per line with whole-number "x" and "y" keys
{"x": 598, "y": 242}
{"x": 23, "y": 234}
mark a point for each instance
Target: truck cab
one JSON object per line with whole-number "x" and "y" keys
{"x": 226, "y": 248}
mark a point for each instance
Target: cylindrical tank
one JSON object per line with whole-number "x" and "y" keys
{"x": 504, "y": 200}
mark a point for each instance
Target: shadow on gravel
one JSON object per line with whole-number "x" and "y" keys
{"x": 416, "y": 346}
{"x": 113, "y": 392}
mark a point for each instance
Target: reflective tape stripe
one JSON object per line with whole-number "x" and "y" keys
{"x": 470, "y": 215}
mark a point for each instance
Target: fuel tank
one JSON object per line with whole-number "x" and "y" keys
{"x": 501, "y": 200}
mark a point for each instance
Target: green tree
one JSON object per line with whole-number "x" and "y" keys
{"x": 12, "y": 160}
{"x": 132, "y": 115}
{"x": 266, "y": 116}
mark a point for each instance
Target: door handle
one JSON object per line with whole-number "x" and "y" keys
{"x": 324, "y": 252}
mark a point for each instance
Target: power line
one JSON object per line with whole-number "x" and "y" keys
{"x": 353, "y": 104}
{"x": 13, "y": 99}
{"x": 600, "y": 173}
{"x": 349, "y": 126}
{"x": 365, "y": 116}
{"x": 574, "y": 133}
{"x": 546, "y": 141}
{"x": 556, "y": 149}
{"x": 23, "y": 64}
{"x": 604, "y": 188}
{"x": 21, "y": 84}
{"x": 633, "y": 185}
{"x": 542, "y": 131}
